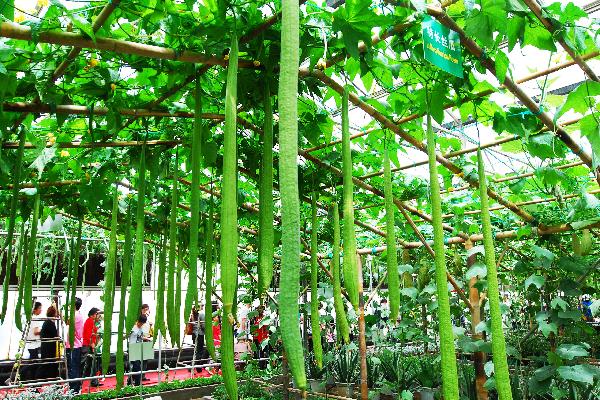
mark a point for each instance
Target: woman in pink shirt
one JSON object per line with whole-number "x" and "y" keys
{"x": 74, "y": 352}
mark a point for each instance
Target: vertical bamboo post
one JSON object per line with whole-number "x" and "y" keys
{"x": 478, "y": 357}
{"x": 364, "y": 388}
{"x": 286, "y": 377}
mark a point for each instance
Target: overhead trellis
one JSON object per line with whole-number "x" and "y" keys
{"x": 91, "y": 92}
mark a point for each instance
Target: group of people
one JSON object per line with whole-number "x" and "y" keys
{"x": 43, "y": 345}
{"x": 44, "y": 342}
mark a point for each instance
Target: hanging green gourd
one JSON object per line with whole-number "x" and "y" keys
{"x": 21, "y": 260}
{"x": 229, "y": 224}
{"x": 407, "y": 279}
{"x": 315, "y": 323}
{"x": 448, "y": 355}
{"x": 177, "y": 302}
{"x": 289, "y": 279}
{"x": 501, "y": 373}
{"x": 125, "y": 278}
{"x": 8, "y": 244}
{"x": 350, "y": 265}
{"x": 341, "y": 320}
{"x": 109, "y": 281}
{"x": 392, "y": 255}
{"x": 137, "y": 273}
{"x": 208, "y": 281}
{"x": 192, "y": 289}
{"x": 74, "y": 277}
{"x": 172, "y": 255}
{"x": 28, "y": 278}
{"x": 265, "y": 195}
{"x": 160, "y": 290}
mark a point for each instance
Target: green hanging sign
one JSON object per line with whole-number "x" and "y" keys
{"x": 441, "y": 47}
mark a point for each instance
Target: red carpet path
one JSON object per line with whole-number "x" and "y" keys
{"x": 110, "y": 383}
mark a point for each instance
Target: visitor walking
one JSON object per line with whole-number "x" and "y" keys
{"x": 73, "y": 351}
{"x": 148, "y": 334}
{"x": 88, "y": 349}
{"x": 137, "y": 336}
{"x": 49, "y": 347}
{"x": 33, "y": 343}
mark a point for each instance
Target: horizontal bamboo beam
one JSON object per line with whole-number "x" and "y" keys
{"x": 73, "y": 53}
{"x": 95, "y": 145}
{"x": 84, "y": 110}
{"x": 21, "y": 32}
{"x": 541, "y": 231}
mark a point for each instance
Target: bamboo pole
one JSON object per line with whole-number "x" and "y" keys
{"x": 362, "y": 340}
{"x": 527, "y": 101}
{"x": 478, "y": 357}
{"x": 371, "y": 111}
{"x": 537, "y": 10}
{"x": 22, "y": 32}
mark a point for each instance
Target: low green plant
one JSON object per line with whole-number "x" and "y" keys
{"x": 398, "y": 371}
{"x": 345, "y": 365}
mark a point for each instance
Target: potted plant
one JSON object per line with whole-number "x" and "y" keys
{"x": 373, "y": 377}
{"x": 399, "y": 373}
{"x": 345, "y": 369}
{"x": 314, "y": 374}
{"x": 428, "y": 377}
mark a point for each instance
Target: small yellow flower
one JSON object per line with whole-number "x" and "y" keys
{"x": 19, "y": 18}
{"x": 64, "y": 153}
{"x": 226, "y": 57}
{"x": 450, "y": 189}
{"x": 50, "y": 135}
{"x": 93, "y": 62}
{"x": 42, "y": 3}
{"x": 51, "y": 140}
{"x": 256, "y": 63}
{"x": 113, "y": 87}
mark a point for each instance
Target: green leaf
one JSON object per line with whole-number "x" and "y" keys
{"x": 7, "y": 9}
{"x": 502, "y": 64}
{"x": 478, "y": 269}
{"x": 558, "y": 302}
{"x": 410, "y": 292}
{"x": 578, "y": 373}
{"x": 591, "y": 130}
{"x": 482, "y": 23}
{"x": 543, "y": 253}
{"x": 83, "y": 25}
{"x": 570, "y": 351}
{"x": 536, "y": 280}
{"x": 538, "y": 36}
{"x": 578, "y": 99}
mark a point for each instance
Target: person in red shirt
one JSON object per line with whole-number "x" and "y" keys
{"x": 259, "y": 335}
{"x": 88, "y": 349}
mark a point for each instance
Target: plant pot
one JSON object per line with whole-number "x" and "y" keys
{"x": 424, "y": 394}
{"x": 316, "y": 385}
{"x": 343, "y": 390}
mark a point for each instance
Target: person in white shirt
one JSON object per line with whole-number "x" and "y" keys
{"x": 33, "y": 343}
{"x": 137, "y": 336}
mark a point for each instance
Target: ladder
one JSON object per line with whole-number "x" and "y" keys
{"x": 15, "y": 376}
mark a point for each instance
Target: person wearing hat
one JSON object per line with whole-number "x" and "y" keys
{"x": 88, "y": 349}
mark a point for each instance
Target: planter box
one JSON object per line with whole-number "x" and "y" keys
{"x": 343, "y": 389}
{"x": 179, "y": 394}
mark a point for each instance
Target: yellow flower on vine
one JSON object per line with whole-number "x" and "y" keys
{"x": 19, "y": 18}
{"x": 42, "y": 3}
{"x": 64, "y": 153}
